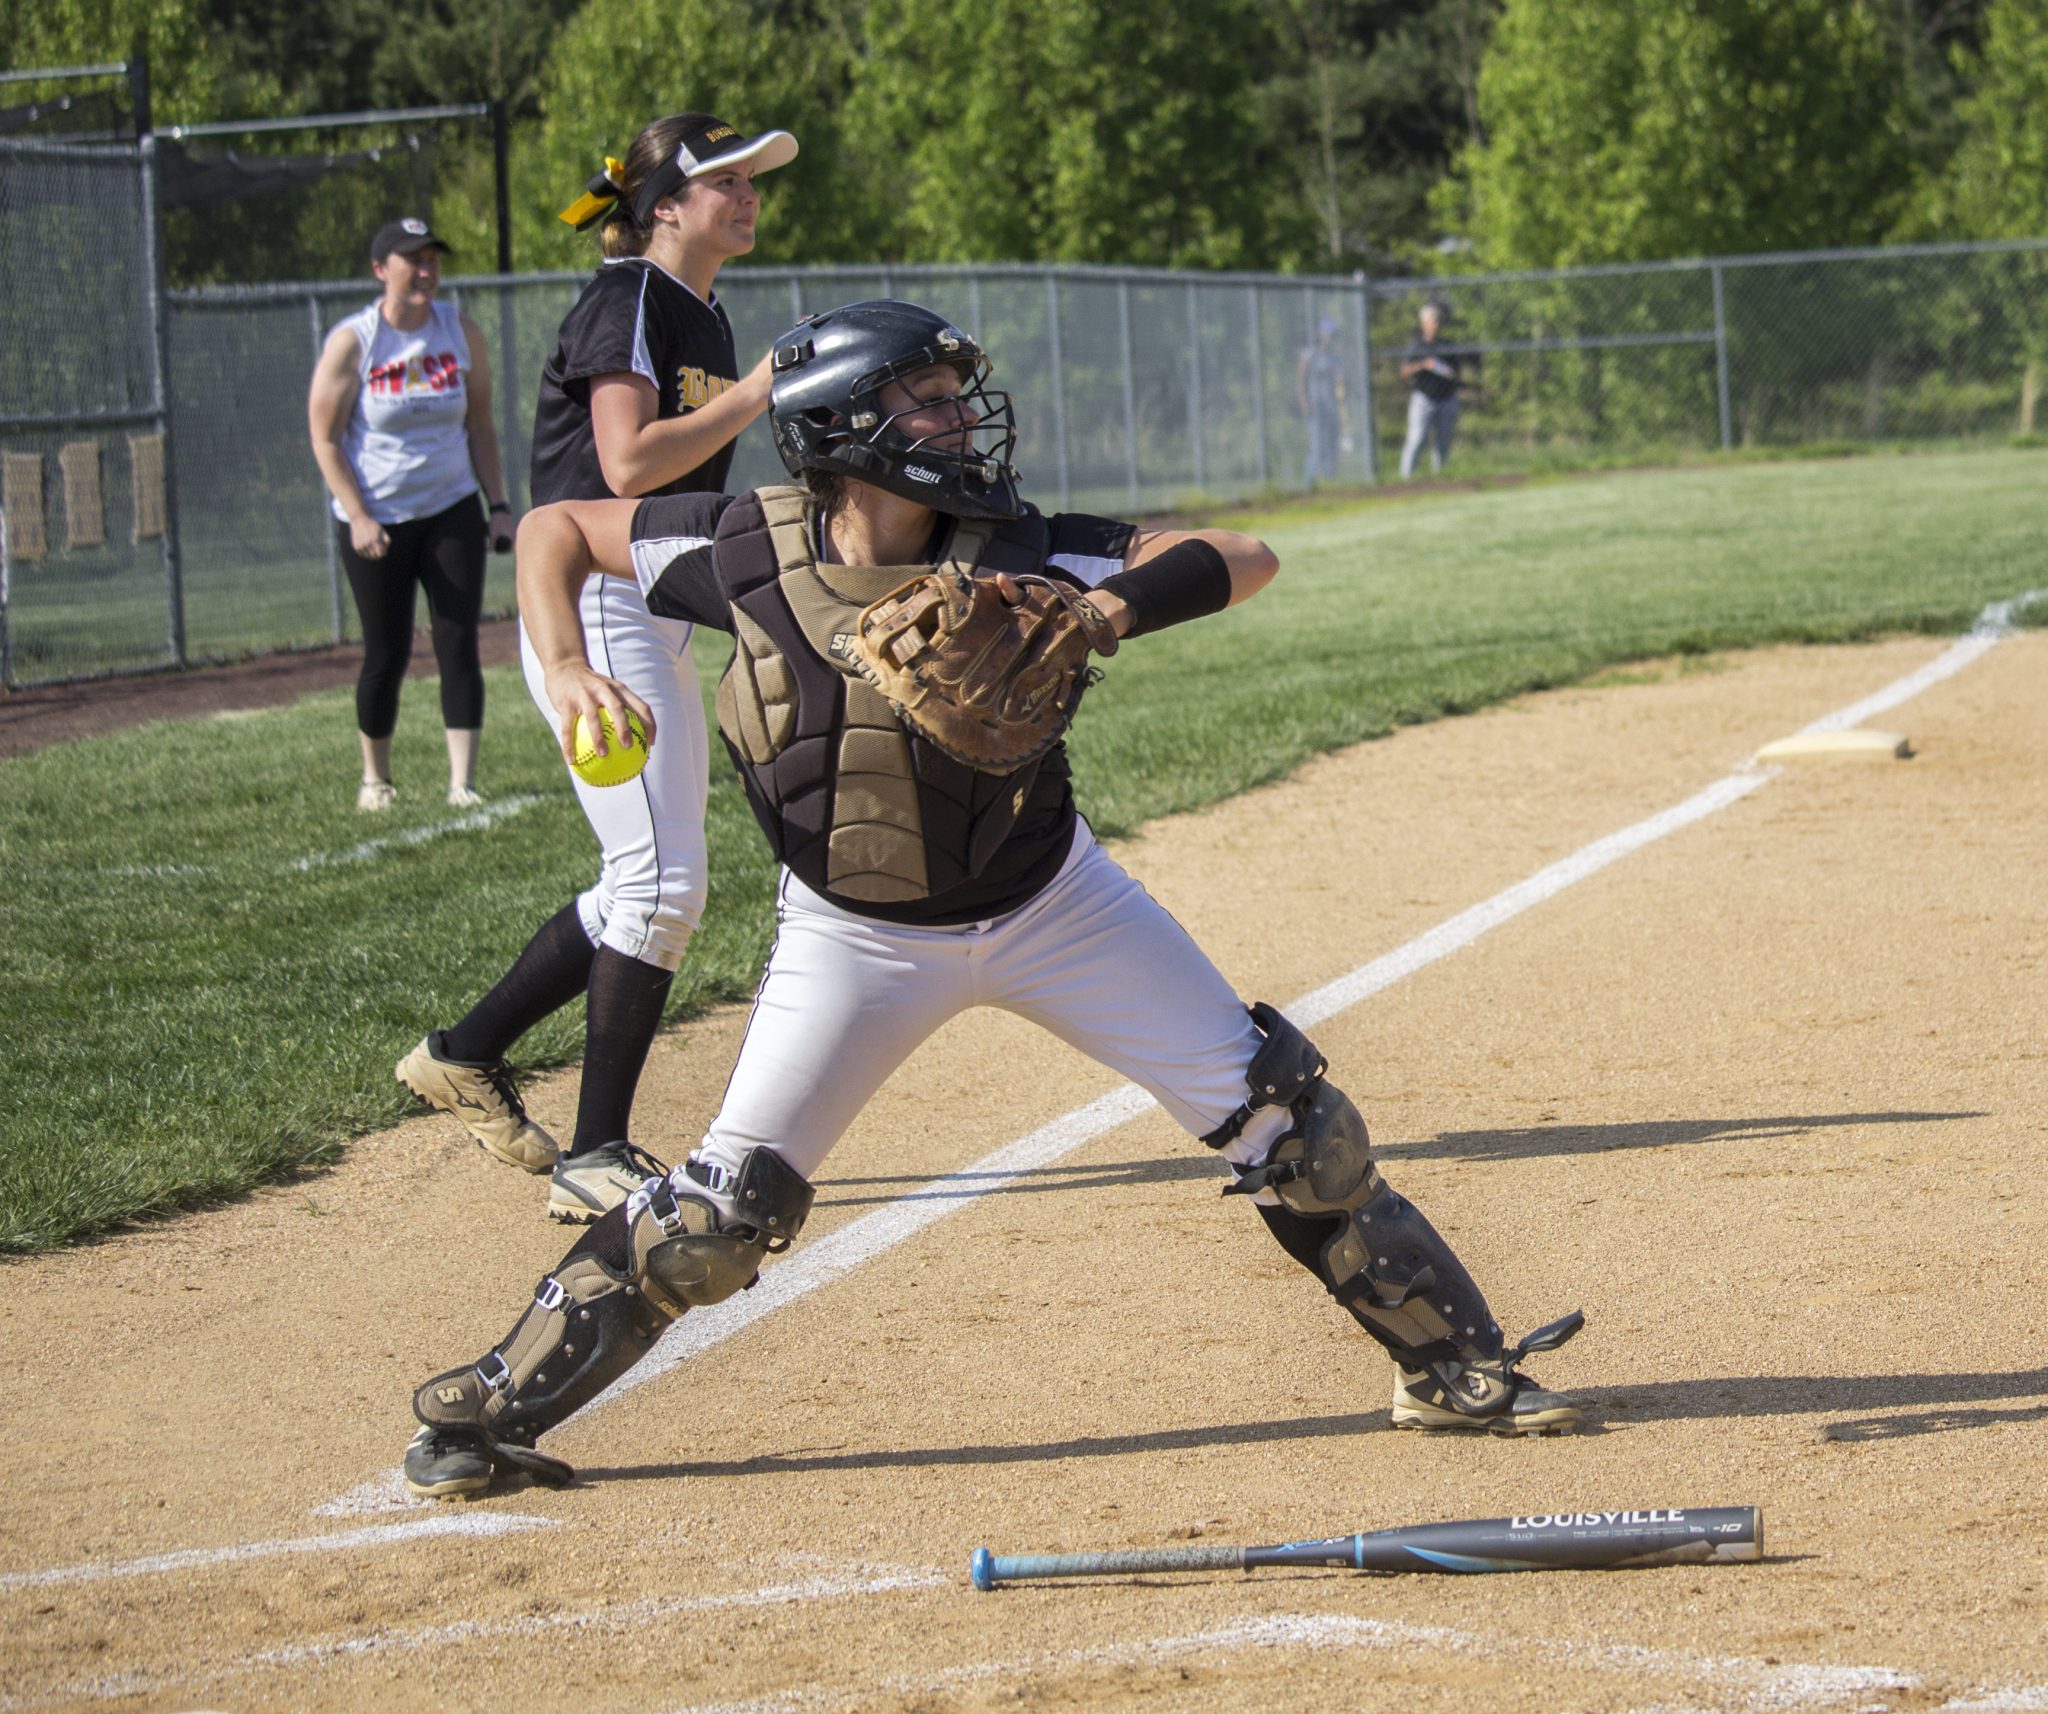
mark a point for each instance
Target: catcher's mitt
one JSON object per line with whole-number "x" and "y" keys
{"x": 992, "y": 684}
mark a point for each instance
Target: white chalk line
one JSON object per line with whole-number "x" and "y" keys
{"x": 1732, "y": 1681}
{"x": 500, "y": 809}
{"x": 192, "y": 1558}
{"x": 474, "y": 822}
{"x": 859, "y": 1241}
{"x": 847, "y": 1583}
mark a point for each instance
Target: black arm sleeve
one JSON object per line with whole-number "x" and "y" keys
{"x": 1188, "y": 581}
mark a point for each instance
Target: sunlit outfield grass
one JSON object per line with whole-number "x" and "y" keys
{"x": 207, "y": 976}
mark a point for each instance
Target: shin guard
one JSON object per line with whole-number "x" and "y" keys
{"x": 1372, "y": 1248}
{"x": 636, "y": 1270}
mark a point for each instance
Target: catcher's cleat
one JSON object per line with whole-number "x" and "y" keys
{"x": 665, "y": 1251}
{"x": 1495, "y": 1396}
{"x": 461, "y": 1463}
{"x": 593, "y": 1183}
{"x": 1422, "y": 1399}
{"x": 484, "y": 1099}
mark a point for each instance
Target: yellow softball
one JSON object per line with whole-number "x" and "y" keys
{"x": 621, "y": 760}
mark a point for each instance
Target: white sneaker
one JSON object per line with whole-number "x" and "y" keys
{"x": 588, "y": 1186}
{"x": 465, "y": 797}
{"x": 374, "y": 796}
{"x": 483, "y": 1098}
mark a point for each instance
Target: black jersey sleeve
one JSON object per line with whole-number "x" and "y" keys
{"x": 1088, "y": 548}
{"x": 672, "y": 558}
{"x": 606, "y": 333}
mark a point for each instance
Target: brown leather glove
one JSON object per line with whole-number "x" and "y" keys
{"x": 992, "y": 683}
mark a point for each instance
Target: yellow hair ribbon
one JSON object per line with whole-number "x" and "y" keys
{"x": 603, "y": 191}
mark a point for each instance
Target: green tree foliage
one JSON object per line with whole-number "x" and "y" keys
{"x": 784, "y": 65}
{"x": 1365, "y": 102}
{"x": 190, "y": 72}
{"x": 1068, "y": 130}
{"x": 1619, "y": 130}
{"x": 1995, "y": 185}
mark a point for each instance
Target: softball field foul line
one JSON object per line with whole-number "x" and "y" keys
{"x": 192, "y": 1558}
{"x": 1733, "y": 1681}
{"x": 474, "y": 822}
{"x": 851, "y": 1581}
{"x": 834, "y": 1256}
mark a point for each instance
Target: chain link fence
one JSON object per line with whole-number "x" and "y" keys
{"x": 1137, "y": 391}
{"x": 88, "y": 561}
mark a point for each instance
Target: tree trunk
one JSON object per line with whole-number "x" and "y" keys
{"x": 2030, "y": 394}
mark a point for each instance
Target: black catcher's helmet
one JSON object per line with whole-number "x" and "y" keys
{"x": 826, "y": 410}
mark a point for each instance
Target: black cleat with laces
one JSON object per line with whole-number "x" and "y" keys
{"x": 461, "y": 1463}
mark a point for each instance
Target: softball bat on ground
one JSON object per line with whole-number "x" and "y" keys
{"x": 1540, "y": 1541}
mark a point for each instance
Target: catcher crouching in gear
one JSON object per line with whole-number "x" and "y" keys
{"x": 912, "y": 640}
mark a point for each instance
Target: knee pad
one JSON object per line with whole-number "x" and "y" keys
{"x": 668, "y": 1250}
{"x": 1378, "y": 1256}
{"x": 708, "y": 1227}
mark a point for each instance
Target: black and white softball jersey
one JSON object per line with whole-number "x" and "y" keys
{"x": 633, "y": 318}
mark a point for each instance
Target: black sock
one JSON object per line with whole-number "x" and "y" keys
{"x": 1302, "y": 1236}
{"x": 625, "y": 1002}
{"x": 552, "y": 971}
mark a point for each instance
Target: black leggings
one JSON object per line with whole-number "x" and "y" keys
{"x": 445, "y": 555}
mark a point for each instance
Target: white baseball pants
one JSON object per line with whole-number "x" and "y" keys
{"x": 1094, "y": 958}
{"x": 650, "y": 889}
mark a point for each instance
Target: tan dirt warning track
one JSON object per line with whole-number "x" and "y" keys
{"x": 1768, "y": 1098}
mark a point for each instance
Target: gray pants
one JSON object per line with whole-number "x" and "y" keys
{"x": 1431, "y": 422}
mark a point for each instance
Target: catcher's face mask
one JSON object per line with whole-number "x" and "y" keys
{"x": 943, "y": 415}
{"x": 895, "y": 396}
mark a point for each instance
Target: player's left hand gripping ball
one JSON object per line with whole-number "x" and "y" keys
{"x": 623, "y": 758}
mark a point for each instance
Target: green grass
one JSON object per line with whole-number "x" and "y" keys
{"x": 191, "y": 1013}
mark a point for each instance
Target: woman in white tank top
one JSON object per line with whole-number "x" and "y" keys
{"x": 400, "y": 414}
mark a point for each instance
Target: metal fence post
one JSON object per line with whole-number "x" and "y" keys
{"x": 6, "y": 643}
{"x": 1258, "y": 375}
{"x": 1195, "y": 388}
{"x": 1721, "y": 361}
{"x": 160, "y": 392}
{"x": 1368, "y": 428}
{"x": 1123, "y": 346}
{"x": 1059, "y": 390}
{"x": 974, "y": 308}
{"x": 327, "y": 534}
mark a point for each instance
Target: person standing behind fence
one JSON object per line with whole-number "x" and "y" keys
{"x": 642, "y": 396}
{"x": 1319, "y": 395}
{"x": 400, "y": 414}
{"x": 1431, "y": 367}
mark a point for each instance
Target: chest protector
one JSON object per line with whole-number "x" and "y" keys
{"x": 851, "y": 801}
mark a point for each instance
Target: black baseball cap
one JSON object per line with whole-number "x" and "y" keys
{"x": 407, "y": 237}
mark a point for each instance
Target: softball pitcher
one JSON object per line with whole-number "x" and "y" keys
{"x": 641, "y": 396}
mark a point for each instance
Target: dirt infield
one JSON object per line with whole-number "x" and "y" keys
{"x": 1768, "y": 1098}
